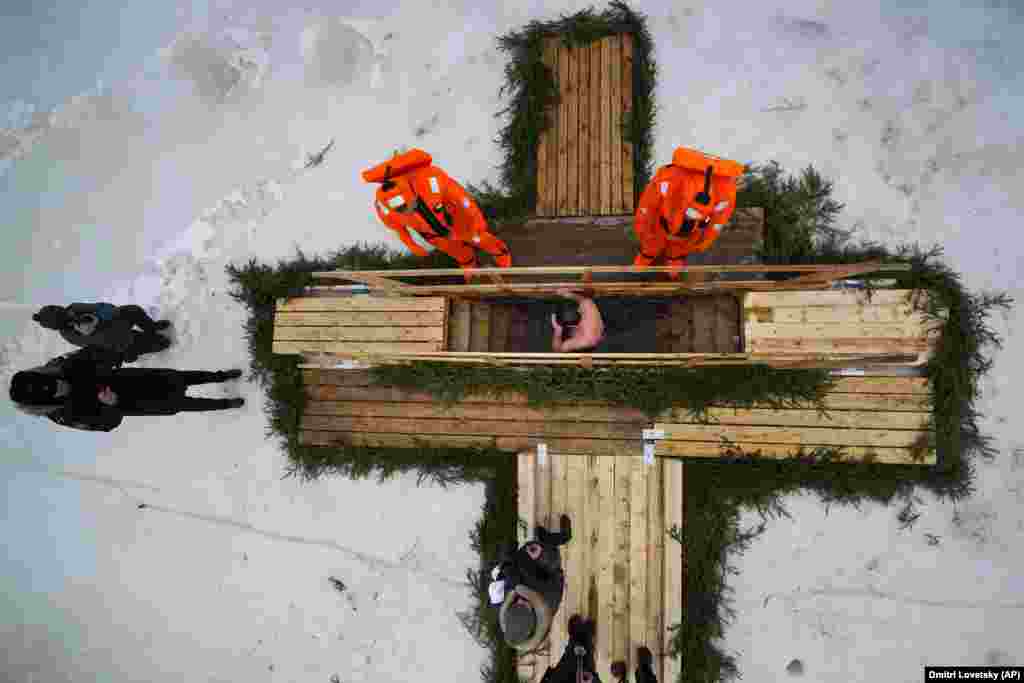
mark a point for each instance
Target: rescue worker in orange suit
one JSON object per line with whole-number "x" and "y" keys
{"x": 415, "y": 196}
{"x": 685, "y": 207}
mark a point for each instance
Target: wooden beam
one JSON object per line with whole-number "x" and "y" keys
{"x": 606, "y": 635}
{"x": 628, "y": 171}
{"x": 879, "y": 295}
{"x": 621, "y": 566}
{"x": 655, "y": 557}
{"x": 542, "y": 151}
{"x": 597, "y": 69}
{"x": 605, "y": 140}
{"x": 880, "y": 454}
{"x": 563, "y": 130}
{"x": 556, "y": 127}
{"x": 559, "y": 506}
{"x": 673, "y": 570}
{"x": 526, "y": 475}
{"x": 638, "y": 541}
{"x": 840, "y": 419}
{"x": 359, "y": 303}
{"x": 842, "y": 271}
{"x": 359, "y": 319}
{"x": 356, "y": 349}
{"x": 538, "y": 429}
{"x": 391, "y": 333}
{"x": 614, "y": 95}
{"x": 807, "y": 436}
{"x": 572, "y": 142}
{"x": 585, "y": 138}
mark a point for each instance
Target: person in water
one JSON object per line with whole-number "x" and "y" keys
{"x": 604, "y": 325}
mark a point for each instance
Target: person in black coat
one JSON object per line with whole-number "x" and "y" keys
{"x": 106, "y": 326}
{"x": 528, "y": 585}
{"x": 89, "y": 390}
{"x": 577, "y": 661}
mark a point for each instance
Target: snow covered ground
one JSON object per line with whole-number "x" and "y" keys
{"x": 193, "y": 161}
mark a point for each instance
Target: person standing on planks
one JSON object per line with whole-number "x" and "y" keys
{"x": 685, "y": 207}
{"x": 417, "y": 198}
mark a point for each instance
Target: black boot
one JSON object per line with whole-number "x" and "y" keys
{"x": 225, "y": 375}
{"x": 236, "y": 402}
{"x": 161, "y": 325}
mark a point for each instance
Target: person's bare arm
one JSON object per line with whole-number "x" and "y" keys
{"x": 590, "y": 330}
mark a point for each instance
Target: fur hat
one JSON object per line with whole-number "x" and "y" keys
{"x": 52, "y": 317}
{"x": 525, "y": 628}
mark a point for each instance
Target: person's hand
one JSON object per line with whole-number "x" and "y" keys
{"x": 107, "y": 396}
{"x": 556, "y": 326}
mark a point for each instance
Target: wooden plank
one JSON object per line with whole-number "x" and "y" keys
{"x": 868, "y": 313}
{"x": 563, "y": 131}
{"x": 459, "y": 326}
{"x": 606, "y": 560}
{"x": 549, "y": 270}
{"x": 879, "y": 454}
{"x": 621, "y": 567}
{"x": 673, "y": 568}
{"x": 850, "y": 297}
{"x": 655, "y": 557}
{"x": 495, "y": 410}
{"x": 312, "y": 437}
{"x": 589, "y": 544}
{"x": 362, "y": 302}
{"x": 855, "y": 330}
{"x": 878, "y": 402}
{"x": 605, "y": 139}
{"x": 527, "y": 501}
{"x": 703, "y": 325}
{"x": 534, "y": 428}
{"x": 575, "y": 593}
{"x": 556, "y": 121}
{"x": 543, "y": 142}
{"x": 637, "y": 557}
{"x": 500, "y": 322}
{"x": 543, "y": 493}
{"x": 559, "y": 506}
{"x": 313, "y": 379}
{"x": 360, "y": 318}
{"x": 847, "y": 419}
{"x": 392, "y": 333}
{"x": 726, "y": 324}
{"x": 597, "y": 69}
{"x": 572, "y": 143}
{"x": 568, "y": 446}
{"x": 585, "y": 139}
{"x": 614, "y": 95}
{"x": 758, "y": 344}
{"x": 342, "y": 348}
{"x": 881, "y": 385}
{"x": 480, "y": 325}
{"x": 810, "y": 436}
{"x": 628, "y": 171}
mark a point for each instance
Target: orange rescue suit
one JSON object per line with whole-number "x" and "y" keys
{"x": 415, "y": 195}
{"x": 685, "y": 206}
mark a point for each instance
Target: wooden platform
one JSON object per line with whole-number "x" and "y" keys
{"x": 360, "y": 323}
{"x": 584, "y": 167}
{"x": 881, "y": 418}
{"x": 844, "y": 321}
{"x": 622, "y": 568}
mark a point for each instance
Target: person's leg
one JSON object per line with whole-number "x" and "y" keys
{"x": 144, "y": 343}
{"x": 190, "y": 404}
{"x": 645, "y": 666}
{"x": 138, "y": 316}
{"x": 194, "y": 377}
{"x": 651, "y": 247}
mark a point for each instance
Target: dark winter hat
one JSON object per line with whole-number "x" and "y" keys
{"x": 520, "y": 622}
{"x": 52, "y": 317}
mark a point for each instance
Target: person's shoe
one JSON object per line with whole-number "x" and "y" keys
{"x": 644, "y": 658}
{"x": 161, "y": 325}
{"x": 576, "y": 631}
{"x": 565, "y": 524}
{"x": 236, "y": 402}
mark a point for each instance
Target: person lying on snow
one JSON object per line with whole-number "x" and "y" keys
{"x": 416, "y": 198}
{"x": 527, "y": 587}
{"x": 684, "y": 207}
{"x": 106, "y": 326}
{"x": 607, "y": 325}
{"x": 89, "y": 390}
